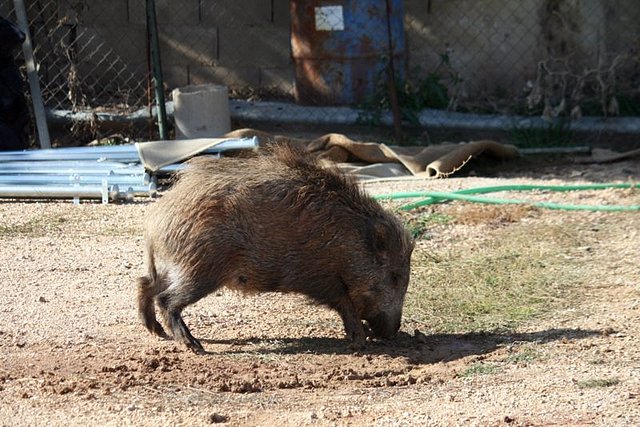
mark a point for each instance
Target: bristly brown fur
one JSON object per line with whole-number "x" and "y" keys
{"x": 275, "y": 222}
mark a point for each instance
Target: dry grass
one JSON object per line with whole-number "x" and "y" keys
{"x": 496, "y": 278}
{"x": 472, "y": 214}
{"x": 598, "y": 383}
{"x": 34, "y": 227}
{"x": 88, "y": 219}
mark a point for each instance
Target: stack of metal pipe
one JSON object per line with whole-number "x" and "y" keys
{"x": 108, "y": 173}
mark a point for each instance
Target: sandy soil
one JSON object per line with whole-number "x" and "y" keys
{"x": 72, "y": 351}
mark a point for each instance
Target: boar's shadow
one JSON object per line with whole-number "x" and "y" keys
{"x": 425, "y": 349}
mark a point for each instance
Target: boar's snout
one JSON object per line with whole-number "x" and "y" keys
{"x": 384, "y": 326}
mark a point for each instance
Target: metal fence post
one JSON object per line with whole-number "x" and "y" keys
{"x": 156, "y": 68}
{"x": 32, "y": 73}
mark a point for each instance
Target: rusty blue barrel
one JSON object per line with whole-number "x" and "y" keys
{"x": 341, "y": 48}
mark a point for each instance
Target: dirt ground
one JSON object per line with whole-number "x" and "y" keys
{"x": 72, "y": 351}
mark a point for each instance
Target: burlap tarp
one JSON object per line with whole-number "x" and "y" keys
{"x": 156, "y": 154}
{"x": 365, "y": 159}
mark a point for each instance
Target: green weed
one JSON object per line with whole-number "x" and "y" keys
{"x": 479, "y": 369}
{"x": 526, "y": 355}
{"x": 556, "y": 134}
{"x": 598, "y": 383}
{"x": 418, "y": 225}
{"x": 435, "y": 89}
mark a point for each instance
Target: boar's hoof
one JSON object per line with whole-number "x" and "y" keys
{"x": 158, "y": 330}
{"x": 358, "y": 341}
{"x": 181, "y": 333}
{"x": 193, "y": 344}
{"x": 357, "y": 338}
{"x": 197, "y": 348}
{"x": 356, "y": 346}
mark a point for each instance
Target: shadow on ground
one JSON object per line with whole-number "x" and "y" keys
{"x": 416, "y": 349}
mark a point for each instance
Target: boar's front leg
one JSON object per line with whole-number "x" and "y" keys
{"x": 352, "y": 323}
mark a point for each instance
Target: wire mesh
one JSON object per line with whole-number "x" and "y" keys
{"x": 542, "y": 58}
{"x": 537, "y": 57}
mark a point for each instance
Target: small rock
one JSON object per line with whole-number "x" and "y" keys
{"x": 216, "y": 418}
{"x": 42, "y": 299}
{"x": 65, "y": 390}
{"x": 346, "y": 413}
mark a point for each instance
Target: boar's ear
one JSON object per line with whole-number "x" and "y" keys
{"x": 378, "y": 239}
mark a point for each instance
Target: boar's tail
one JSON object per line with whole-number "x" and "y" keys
{"x": 147, "y": 290}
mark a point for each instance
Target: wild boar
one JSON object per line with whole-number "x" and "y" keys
{"x": 275, "y": 222}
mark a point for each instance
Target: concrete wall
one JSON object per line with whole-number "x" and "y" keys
{"x": 490, "y": 43}
{"x": 234, "y": 42}
{"x": 495, "y": 45}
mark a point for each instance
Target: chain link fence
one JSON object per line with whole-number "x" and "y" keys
{"x": 549, "y": 58}
{"x": 455, "y": 62}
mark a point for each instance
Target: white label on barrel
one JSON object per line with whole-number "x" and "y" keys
{"x": 329, "y": 18}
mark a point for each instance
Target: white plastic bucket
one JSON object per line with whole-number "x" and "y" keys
{"x": 201, "y": 111}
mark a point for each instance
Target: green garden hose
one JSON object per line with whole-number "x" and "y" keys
{"x": 432, "y": 197}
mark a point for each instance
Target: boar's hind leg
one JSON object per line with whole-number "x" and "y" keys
{"x": 171, "y": 302}
{"x": 352, "y": 323}
{"x": 146, "y": 293}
